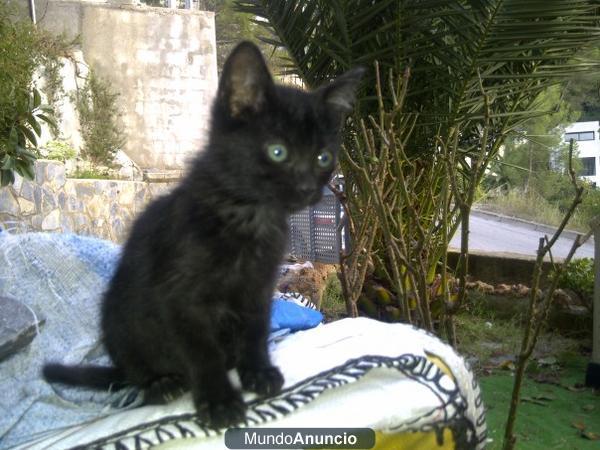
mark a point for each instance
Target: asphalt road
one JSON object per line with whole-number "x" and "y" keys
{"x": 493, "y": 233}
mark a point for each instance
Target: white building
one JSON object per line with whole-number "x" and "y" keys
{"x": 588, "y": 146}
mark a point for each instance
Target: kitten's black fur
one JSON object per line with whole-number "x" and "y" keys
{"x": 191, "y": 296}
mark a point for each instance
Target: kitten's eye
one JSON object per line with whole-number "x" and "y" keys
{"x": 277, "y": 152}
{"x": 325, "y": 160}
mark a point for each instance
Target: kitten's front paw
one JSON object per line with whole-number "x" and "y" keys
{"x": 222, "y": 413}
{"x": 164, "y": 390}
{"x": 265, "y": 381}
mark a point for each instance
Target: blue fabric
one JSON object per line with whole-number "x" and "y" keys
{"x": 61, "y": 277}
{"x": 285, "y": 314}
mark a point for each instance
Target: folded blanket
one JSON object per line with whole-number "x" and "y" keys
{"x": 408, "y": 386}
{"x": 60, "y": 278}
{"x": 413, "y": 390}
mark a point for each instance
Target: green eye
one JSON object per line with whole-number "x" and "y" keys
{"x": 277, "y": 152}
{"x": 325, "y": 159}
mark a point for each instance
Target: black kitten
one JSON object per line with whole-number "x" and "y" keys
{"x": 191, "y": 296}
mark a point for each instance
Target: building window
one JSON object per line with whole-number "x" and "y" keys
{"x": 589, "y": 166}
{"x": 580, "y": 136}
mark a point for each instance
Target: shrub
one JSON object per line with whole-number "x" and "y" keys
{"x": 92, "y": 173}
{"x": 22, "y": 49}
{"x": 579, "y": 277}
{"x": 98, "y": 116}
{"x": 59, "y": 151}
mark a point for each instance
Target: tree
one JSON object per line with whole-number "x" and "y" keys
{"x": 583, "y": 91}
{"x": 22, "y": 49}
{"x": 232, "y": 26}
{"x": 474, "y": 70}
{"x": 535, "y": 156}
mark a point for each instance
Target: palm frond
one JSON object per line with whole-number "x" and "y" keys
{"x": 459, "y": 52}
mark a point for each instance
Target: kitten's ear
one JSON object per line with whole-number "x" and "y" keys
{"x": 245, "y": 82}
{"x": 340, "y": 94}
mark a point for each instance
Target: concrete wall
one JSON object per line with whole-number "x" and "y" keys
{"x": 101, "y": 208}
{"x": 497, "y": 268}
{"x": 162, "y": 62}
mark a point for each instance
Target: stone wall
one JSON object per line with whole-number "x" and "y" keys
{"x": 101, "y": 208}
{"x": 161, "y": 61}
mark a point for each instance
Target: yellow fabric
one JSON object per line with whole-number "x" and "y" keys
{"x": 414, "y": 441}
{"x": 383, "y": 441}
{"x": 441, "y": 364}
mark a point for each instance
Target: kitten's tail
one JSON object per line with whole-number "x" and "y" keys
{"x": 96, "y": 377}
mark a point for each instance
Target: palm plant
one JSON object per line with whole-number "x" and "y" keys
{"x": 473, "y": 72}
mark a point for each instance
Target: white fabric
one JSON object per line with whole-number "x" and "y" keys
{"x": 383, "y": 398}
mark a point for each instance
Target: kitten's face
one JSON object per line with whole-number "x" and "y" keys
{"x": 276, "y": 144}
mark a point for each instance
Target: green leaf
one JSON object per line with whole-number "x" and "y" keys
{"x": 25, "y": 169}
{"x": 6, "y": 177}
{"x": 37, "y": 98}
{"x": 28, "y": 134}
{"x": 23, "y": 152}
{"x": 13, "y": 137}
{"x": 49, "y": 120}
{"x": 47, "y": 109}
{"x": 32, "y": 121}
{"x": 8, "y": 163}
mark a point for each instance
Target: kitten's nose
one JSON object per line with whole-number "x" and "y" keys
{"x": 306, "y": 189}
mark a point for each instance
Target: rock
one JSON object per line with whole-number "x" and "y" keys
{"x": 36, "y": 222}
{"x": 18, "y": 326}
{"x": 74, "y": 204}
{"x": 40, "y": 170}
{"x": 51, "y": 221}
{"x": 84, "y": 189}
{"x": 503, "y": 289}
{"x": 27, "y": 191}
{"x": 18, "y": 183}
{"x": 561, "y": 298}
{"x": 142, "y": 197}
{"x": 126, "y": 194}
{"x": 520, "y": 290}
{"x": 127, "y": 169}
{"x": 48, "y": 200}
{"x": 55, "y": 175}
{"x": 98, "y": 208}
{"x": 119, "y": 231}
{"x": 471, "y": 285}
{"x": 26, "y": 206}
{"x": 69, "y": 188}
{"x": 484, "y": 287}
{"x": 8, "y": 204}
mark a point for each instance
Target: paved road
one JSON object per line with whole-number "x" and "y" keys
{"x": 492, "y": 233}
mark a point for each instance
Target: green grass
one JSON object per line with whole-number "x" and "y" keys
{"x": 543, "y": 427}
{"x": 90, "y": 174}
{"x": 491, "y": 341}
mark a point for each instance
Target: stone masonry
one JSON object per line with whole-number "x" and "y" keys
{"x": 162, "y": 63}
{"x": 52, "y": 202}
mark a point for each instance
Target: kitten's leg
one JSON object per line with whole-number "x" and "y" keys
{"x": 164, "y": 390}
{"x": 217, "y": 402}
{"x": 257, "y": 373}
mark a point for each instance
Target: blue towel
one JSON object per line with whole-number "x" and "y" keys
{"x": 286, "y": 314}
{"x": 61, "y": 277}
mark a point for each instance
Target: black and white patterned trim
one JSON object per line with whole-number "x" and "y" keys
{"x": 452, "y": 406}
{"x": 296, "y": 298}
